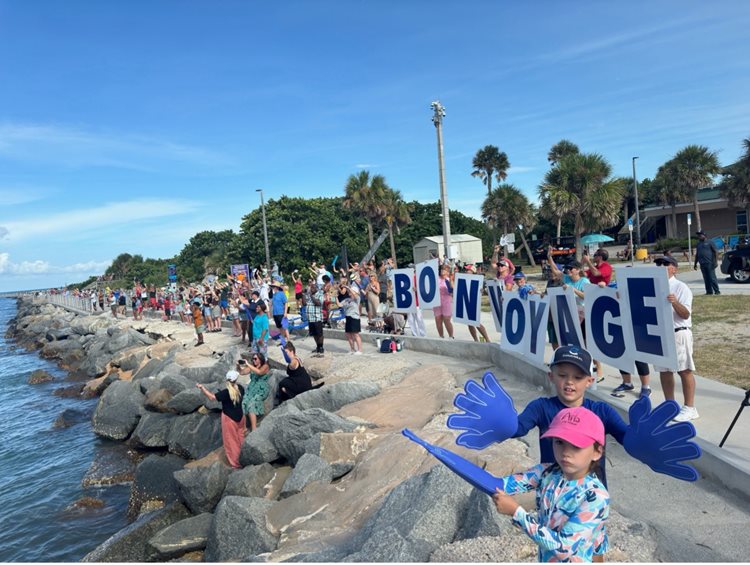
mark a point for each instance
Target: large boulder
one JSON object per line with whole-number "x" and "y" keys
{"x": 309, "y": 468}
{"x": 112, "y": 465}
{"x": 482, "y": 518}
{"x": 128, "y": 545}
{"x": 154, "y": 367}
{"x": 139, "y": 338}
{"x": 175, "y": 382}
{"x": 119, "y": 339}
{"x": 258, "y": 446}
{"x": 239, "y": 530}
{"x": 40, "y": 376}
{"x": 97, "y": 358}
{"x": 154, "y": 483}
{"x": 251, "y": 481}
{"x": 186, "y": 401}
{"x": 195, "y": 435}
{"x": 333, "y": 397}
{"x": 157, "y": 399}
{"x": 129, "y": 360}
{"x": 201, "y": 487}
{"x": 69, "y": 417}
{"x": 59, "y": 334}
{"x": 416, "y": 518}
{"x": 118, "y": 411}
{"x": 153, "y": 430}
{"x": 291, "y": 436}
{"x": 174, "y": 541}
{"x": 88, "y": 325}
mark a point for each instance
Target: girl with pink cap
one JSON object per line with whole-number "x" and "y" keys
{"x": 572, "y": 504}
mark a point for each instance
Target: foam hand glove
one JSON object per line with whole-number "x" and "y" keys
{"x": 489, "y": 415}
{"x": 660, "y": 446}
{"x": 285, "y": 323}
{"x": 286, "y": 355}
{"x": 475, "y": 476}
{"x": 523, "y": 292}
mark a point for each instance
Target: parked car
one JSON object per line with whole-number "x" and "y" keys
{"x": 562, "y": 252}
{"x": 736, "y": 263}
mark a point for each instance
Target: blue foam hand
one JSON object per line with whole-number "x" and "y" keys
{"x": 286, "y": 355}
{"x": 662, "y": 447}
{"x": 282, "y": 340}
{"x": 285, "y": 323}
{"x": 489, "y": 415}
{"x": 475, "y": 476}
{"x": 523, "y": 292}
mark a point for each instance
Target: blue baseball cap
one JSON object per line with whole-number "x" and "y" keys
{"x": 575, "y": 356}
{"x": 519, "y": 276}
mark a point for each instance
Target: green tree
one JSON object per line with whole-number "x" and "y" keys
{"x": 596, "y": 197}
{"x": 735, "y": 183}
{"x": 668, "y": 191}
{"x": 395, "y": 215}
{"x": 207, "y": 252}
{"x": 556, "y": 201}
{"x": 488, "y": 162}
{"x": 695, "y": 168}
{"x": 508, "y": 207}
{"x": 366, "y": 196}
{"x": 560, "y": 150}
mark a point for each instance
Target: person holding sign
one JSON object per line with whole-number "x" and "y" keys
{"x": 444, "y": 312}
{"x": 681, "y": 298}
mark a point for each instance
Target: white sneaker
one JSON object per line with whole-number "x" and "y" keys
{"x": 357, "y": 353}
{"x": 686, "y": 414}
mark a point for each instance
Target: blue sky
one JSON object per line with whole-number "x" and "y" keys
{"x": 130, "y": 126}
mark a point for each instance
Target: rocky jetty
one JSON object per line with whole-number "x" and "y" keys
{"x": 326, "y": 477}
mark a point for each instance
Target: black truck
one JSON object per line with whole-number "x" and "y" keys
{"x": 736, "y": 263}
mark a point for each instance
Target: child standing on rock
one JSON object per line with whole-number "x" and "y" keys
{"x": 232, "y": 419}
{"x": 572, "y": 504}
{"x": 196, "y": 310}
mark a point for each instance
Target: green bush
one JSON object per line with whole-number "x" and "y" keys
{"x": 671, "y": 244}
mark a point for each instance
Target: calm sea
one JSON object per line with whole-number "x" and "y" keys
{"x": 41, "y": 467}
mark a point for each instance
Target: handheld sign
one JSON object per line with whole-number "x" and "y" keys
{"x": 564, "y": 314}
{"x": 495, "y": 292}
{"x": 467, "y": 298}
{"x": 428, "y": 284}
{"x": 404, "y": 299}
{"x": 605, "y": 338}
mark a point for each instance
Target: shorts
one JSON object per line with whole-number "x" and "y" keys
{"x": 167, "y": 312}
{"x": 684, "y": 343}
{"x": 445, "y": 309}
{"x": 315, "y": 328}
{"x": 200, "y": 329}
{"x": 352, "y": 325}
{"x": 216, "y": 311}
{"x": 260, "y": 347}
{"x": 207, "y": 312}
{"x": 298, "y": 296}
{"x": 224, "y": 303}
{"x": 277, "y": 320}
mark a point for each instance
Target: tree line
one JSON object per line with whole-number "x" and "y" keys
{"x": 577, "y": 194}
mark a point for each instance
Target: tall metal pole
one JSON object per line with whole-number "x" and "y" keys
{"x": 437, "y": 119}
{"x": 265, "y": 229}
{"x": 637, "y": 207}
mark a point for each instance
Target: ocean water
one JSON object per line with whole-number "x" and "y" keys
{"x": 41, "y": 467}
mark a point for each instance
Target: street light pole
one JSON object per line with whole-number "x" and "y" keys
{"x": 437, "y": 119}
{"x": 265, "y": 229}
{"x": 637, "y": 208}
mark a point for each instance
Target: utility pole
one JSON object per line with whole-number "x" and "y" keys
{"x": 437, "y": 119}
{"x": 265, "y": 229}
{"x": 637, "y": 208}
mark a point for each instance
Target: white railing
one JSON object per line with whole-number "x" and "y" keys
{"x": 76, "y": 303}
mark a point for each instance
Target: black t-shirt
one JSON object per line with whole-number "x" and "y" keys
{"x": 234, "y": 411}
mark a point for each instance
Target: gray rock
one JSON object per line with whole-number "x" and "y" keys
{"x": 131, "y": 360}
{"x": 118, "y": 411}
{"x": 112, "y": 465}
{"x": 333, "y": 397}
{"x": 309, "y": 468}
{"x": 340, "y": 469}
{"x": 153, "y": 430}
{"x": 154, "y": 481}
{"x": 201, "y": 487}
{"x": 176, "y": 383}
{"x": 259, "y": 446}
{"x": 157, "y": 399}
{"x": 186, "y": 401}
{"x": 482, "y": 518}
{"x": 139, "y": 338}
{"x": 69, "y": 417}
{"x": 39, "y": 376}
{"x": 95, "y": 363}
{"x": 153, "y": 367}
{"x": 173, "y": 541}
{"x": 88, "y": 325}
{"x": 250, "y": 481}
{"x": 195, "y": 435}
{"x": 58, "y": 334}
{"x": 199, "y": 374}
{"x": 239, "y": 530}
{"x": 128, "y": 545}
{"x": 289, "y": 438}
{"x": 417, "y": 517}
{"x": 119, "y": 340}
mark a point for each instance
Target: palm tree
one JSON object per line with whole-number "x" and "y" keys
{"x": 594, "y": 196}
{"x": 396, "y": 213}
{"x": 560, "y": 150}
{"x": 695, "y": 167}
{"x": 669, "y": 190}
{"x": 365, "y": 195}
{"x": 488, "y": 162}
{"x": 735, "y": 184}
{"x": 556, "y": 201}
{"x": 506, "y": 206}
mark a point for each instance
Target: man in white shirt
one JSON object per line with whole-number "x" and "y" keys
{"x": 681, "y": 299}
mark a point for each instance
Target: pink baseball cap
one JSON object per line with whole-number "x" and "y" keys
{"x": 579, "y": 426}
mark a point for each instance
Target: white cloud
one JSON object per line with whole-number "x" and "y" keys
{"x": 77, "y": 147}
{"x": 364, "y": 166}
{"x": 516, "y": 170}
{"x": 13, "y": 196}
{"x": 91, "y": 219}
{"x": 39, "y": 267}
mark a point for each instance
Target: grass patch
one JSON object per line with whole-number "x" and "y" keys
{"x": 723, "y": 362}
{"x": 727, "y": 308}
